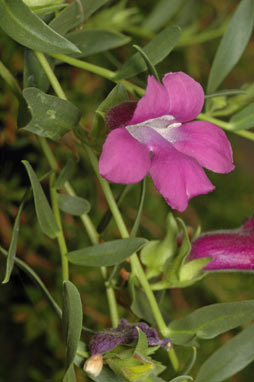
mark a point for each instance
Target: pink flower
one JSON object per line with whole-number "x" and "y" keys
{"x": 159, "y": 125}
{"x": 229, "y": 249}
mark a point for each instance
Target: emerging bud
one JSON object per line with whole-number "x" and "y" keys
{"x": 94, "y": 365}
{"x": 229, "y": 249}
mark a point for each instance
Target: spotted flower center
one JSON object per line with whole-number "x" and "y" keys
{"x": 165, "y": 126}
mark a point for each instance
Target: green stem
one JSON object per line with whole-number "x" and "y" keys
{"x": 51, "y": 75}
{"x": 102, "y": 72}
{"x": 226, "y": 126}
{"x": 60, "y": 236}
{"x": 135, "y": 263}
{"x": 91, "y": 231}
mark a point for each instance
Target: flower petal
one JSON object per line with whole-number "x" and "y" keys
{"x": 178, "y": 177}
{"x": 123, "y": 159}
{"x": 120, "y": 114}
{"x": 206, "y": 143}
{"x": 155, "y": 102}
{"x": 186, "y": 96}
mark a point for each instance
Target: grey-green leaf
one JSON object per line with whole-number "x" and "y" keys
{"x": 92, "y": 41}
{"x": 73, "y": 205}
{"x": 13, "y": 245}
{"x": 244, "y": 119}
{"x": 161, "y": 13}
{"x": 70, "y": 375}
{"x": 75, "y": 14}
{"x": 156, "y": 50}
{"x": 229, "y": 359}
{"x": 232, "y": 44}
{"x": 182, "y": 378}
{"x": 211, "y": 320}
{"x": 107, "y": 376}
{"x": 52, "y": 117}
{"x": 106, "y": 254}
{"x": 65, "y": 174}
{"x": 21, "y": 24}
{"x": 43, "y": 210}
{"x": 72, "y": 320}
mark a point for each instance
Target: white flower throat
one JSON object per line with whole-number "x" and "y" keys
{"x": 165, "y": 126}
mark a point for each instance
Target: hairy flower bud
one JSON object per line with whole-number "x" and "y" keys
{"x": 229, "y": 249}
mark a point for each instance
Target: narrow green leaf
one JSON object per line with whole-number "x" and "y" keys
{"x": 43, "y": 210}
{"x": 13, "y": 245}
{"x": 73, "y": 205}
{"x": 161, "y": 14}
{"x": 225, "y": 92}
{"x": 150, "y": 67}
{"x": 117, "y": 95}
{"x": 92, "y": 41}
{"x": 50, "y": 9}
{"x": 156, "y": 50}
{"x": 232, "y": 357}
{"x": 142, "y": 344}
{"x": 107, "y": 376}
{"x": 75, "y": 14}
{"x": 72, "y": 320}
{"x": 65, "y": 174}
{"x": 52, "y": 117}
{"x": 21, "y": 24}
{"x": 244, "y": 119}
{"x": 70, "y": 375}
{"x": 182, "y": 378}
{"x": 38, "y": 282}
{"x": 106, "y": 254}
{"x": 211, "y": 320}
{"x": 232, "y": 44}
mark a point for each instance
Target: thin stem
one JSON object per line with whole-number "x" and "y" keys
{"x": 60, "y": 236}
{"x": 51, "y": 75}
{"x": 102, "y": 72}
{"x": 134, "y": 260}
{"x": 226, "y": 126}
{"x": 91, "y": 231}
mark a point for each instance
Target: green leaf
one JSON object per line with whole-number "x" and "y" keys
{"x": 106, "y": 254}
{"x": 117, "y": 95}
{"x": 34, "y": 75}
{"x": 52, "y": 117}
{"x": 75, "y": 14}
{"x": 150, "y": 67}
{"x": 225, "y": 92}
{"x": 73, "y": 205}
{"x": 92, "y": 41}
{"x": 72, "y": 320}
{"x": 21, "y": 24}
{"x": 211, "y": 320}
{"x": 142, "y": 344}
{"x": 35, "y": 278}
{"x": 232, "y": 44}
{"x": 13, "y": 244}
{"x": 43, "y": 210}
{"x": 156, "y": 50}
{"x": 107, "y": 376}
{"x": 229, "y": 359}
{"x": 140, "y": 208}
{"x": 244, "y": 119}
{"x": 65, "y": 174}
{"x": 161, "y": 14}
{"x": 182, "y": 378}
{"x": 70, "y": 375}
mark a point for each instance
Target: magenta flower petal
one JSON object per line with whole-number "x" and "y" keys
{"x": 124, "y": 159}
{"x": 230, "y": 249}
{"x": 120, "y": 115}
{"x": 155, "y": 102}
{"x": 206, "y": 143}
{"x": 178, "y": 177}
{"x": 186, "y": 96}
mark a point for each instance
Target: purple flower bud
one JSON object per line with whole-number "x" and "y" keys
{"x": 229, "y": 249}
{"x": 124, "y": 334}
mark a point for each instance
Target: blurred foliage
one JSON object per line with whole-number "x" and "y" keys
{"x": 32, "y": 346}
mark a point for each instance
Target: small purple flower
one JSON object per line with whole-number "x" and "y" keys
{"x": 160, "y": 125}
{"x": 124, "y": 334}
{"x": 229, "y": 249}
